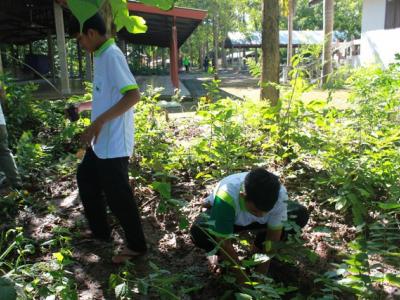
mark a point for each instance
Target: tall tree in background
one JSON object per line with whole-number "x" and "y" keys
{"x": 328, "y": 35}
{"x": 270, "y": 50}
{"x": 291, "y": 6}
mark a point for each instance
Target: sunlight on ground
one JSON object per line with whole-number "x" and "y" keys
{"x": 339, "y": 96}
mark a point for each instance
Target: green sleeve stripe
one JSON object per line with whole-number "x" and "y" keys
{"x": 275, "y": 228}
{"x": 218, "y": 234}
{"x": 267, "y": 246}
{"x": 128, "y": 88}
{"x": 224, "y": 196}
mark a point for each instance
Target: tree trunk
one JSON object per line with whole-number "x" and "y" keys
{"x": 215, "y": 34}
{"x": 163, "y": 58}
{"x": 270, "y": 50}
{"x": 106, "y": 13}
{"x": 290, "y": 32}
{"x": 328, "y": 32}
{"x": 223, "y": 57}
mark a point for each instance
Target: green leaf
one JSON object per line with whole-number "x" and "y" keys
{"x": 161, "y": 4}
{"x": 58, "y": 256}
{"x": 183, "y": 223}
{"x": 84, "y": 9}
{"x": 7, "y": 289}
{"x": 143, "y": 287}
{"x": 121, "y": 290}
{"x": 322, "y": 229}
{"x": 164, "y": 188}
{"x": 241, "y": 296}
{"x": 113, "y": 281}
{"x": 389, "y": 206}
{"x": 393, "y": 279}
{"x": 133, "y": 24}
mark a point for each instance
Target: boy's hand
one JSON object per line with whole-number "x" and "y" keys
{"x": 92, "y": 132}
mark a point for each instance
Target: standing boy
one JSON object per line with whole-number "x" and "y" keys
{"x": 186, "y": 63}
{"x": 246, "y": 201}
{"x": 109, "y": 140}
{"x": 7, "y": 163}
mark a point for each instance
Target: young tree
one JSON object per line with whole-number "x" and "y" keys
{"x": 328, "y": 34}
{"x": 291, "y": 6}
{"x": 270, "y": 51}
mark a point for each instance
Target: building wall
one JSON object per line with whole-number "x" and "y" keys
{"x": 373, "y": 15}
{"x": 378, "y": 46}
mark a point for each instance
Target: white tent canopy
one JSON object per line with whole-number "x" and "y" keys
{"x": 300, "y": 37}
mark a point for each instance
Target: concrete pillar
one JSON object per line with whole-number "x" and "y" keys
{"x": 62, "y": 52}
{"x": 122, "y": 46}
{"x": 89, "y": 76}
{"x": 50, "y": 53}
{"x": 78, "y": 49}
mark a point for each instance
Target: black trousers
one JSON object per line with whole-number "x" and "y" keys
{"x": 296, "y": 213}
{"x": 103, "y": 182}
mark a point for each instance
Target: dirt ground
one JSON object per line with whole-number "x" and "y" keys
{"x": 243, "y": 85}
{"x": 171, "y": 248}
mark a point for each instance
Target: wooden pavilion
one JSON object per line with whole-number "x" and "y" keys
{"x": 25, "y": 21}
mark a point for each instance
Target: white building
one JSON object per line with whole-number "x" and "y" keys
{"x": 380, "y": 31}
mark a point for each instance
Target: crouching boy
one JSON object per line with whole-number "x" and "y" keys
{"x": 249, "y": 201}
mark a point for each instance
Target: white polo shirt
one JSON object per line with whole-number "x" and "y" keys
{"x": 112, "y": 79}
{"x": 230, "y": 208}
{"x": 2, "y": 119}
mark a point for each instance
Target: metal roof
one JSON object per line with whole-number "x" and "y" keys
{"x": 24, "y": 21}
{"x": 159, "y": 24}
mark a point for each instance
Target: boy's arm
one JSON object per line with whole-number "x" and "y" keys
{"x": 129, "y": 99}
{"x": 229, "y": 253}
{"x": 272, "y": 235}
{"x": 84, "y": 106}
{"x": 222, "y": 221}
{"x": 2, "y": 95}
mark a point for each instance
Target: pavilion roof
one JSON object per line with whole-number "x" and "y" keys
{"x": 24, "y": 21}
{"x": 160, "y": 22}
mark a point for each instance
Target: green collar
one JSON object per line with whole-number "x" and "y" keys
{"x": 104, "y": 47}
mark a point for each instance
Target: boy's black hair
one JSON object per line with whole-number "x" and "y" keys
{"x": 95, "y": 22}
{"x": 262, "y": 188}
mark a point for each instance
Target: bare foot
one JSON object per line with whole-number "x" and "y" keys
{"x": 125, "y": 255}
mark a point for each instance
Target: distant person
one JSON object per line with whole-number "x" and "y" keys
{"x": 186, "y": 63}
{"x": 249, "y": 201}
{"x": 206, "y": 63}
{"x": 7, "y": 162}
{"x": 109, "y": 141}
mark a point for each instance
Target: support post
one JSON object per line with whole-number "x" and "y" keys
{"x": 174, "y": 56}
{"x": 62, "y": 52}
{"x": 78, "y": 49}
{"x": 50, "y": 53}
{"x": 89, "y": 75}
{"x": 122, "y": 46}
